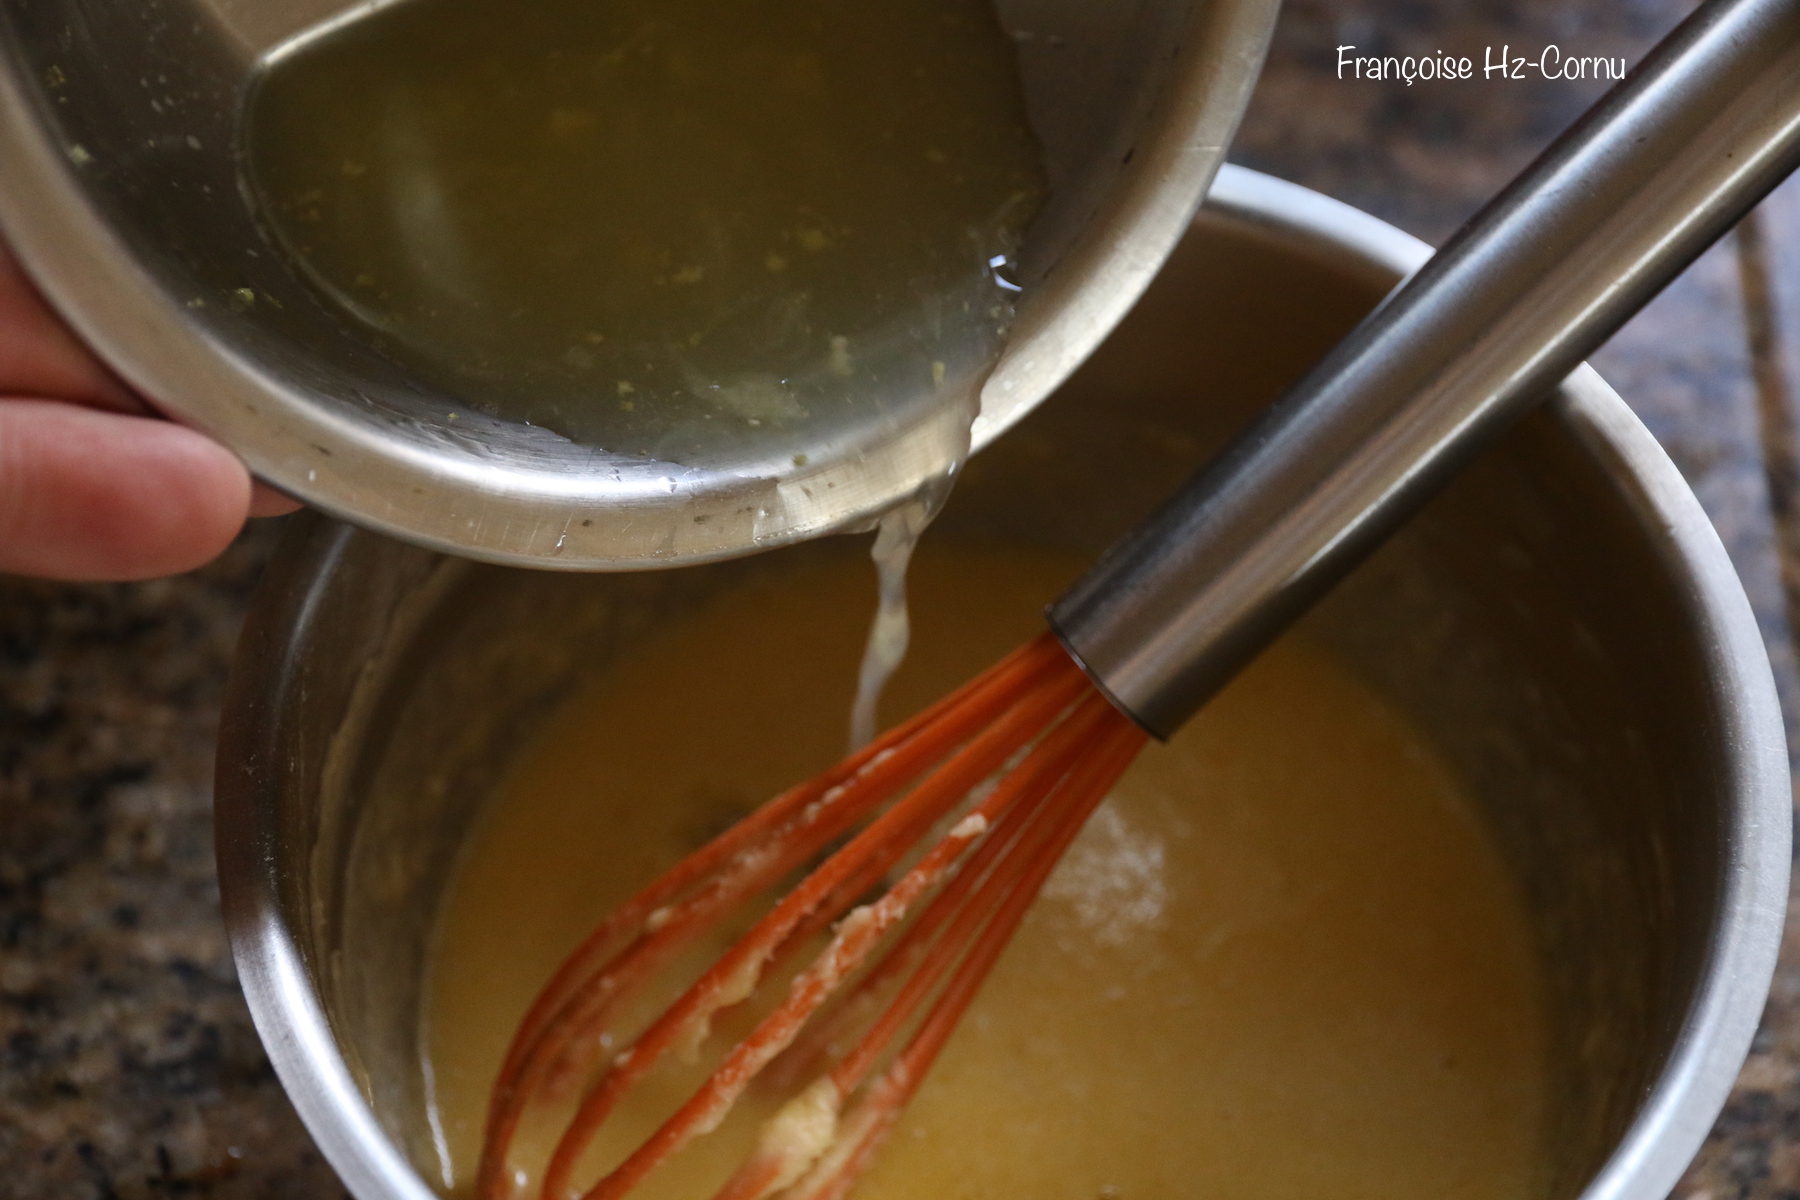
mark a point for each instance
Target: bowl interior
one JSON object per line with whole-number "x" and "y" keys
{"x": 1511, "y": 621}
{"x": 119, "y": 123}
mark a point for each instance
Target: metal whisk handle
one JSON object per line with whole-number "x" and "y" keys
{"x": 1650, "y": 177}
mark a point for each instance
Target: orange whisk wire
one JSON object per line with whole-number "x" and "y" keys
{"x": 650, "y": 928}
{"x": 972, "y": 887}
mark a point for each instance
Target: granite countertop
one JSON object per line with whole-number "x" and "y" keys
{"x": 128, "y": 1064}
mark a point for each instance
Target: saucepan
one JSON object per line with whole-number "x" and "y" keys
{"x": 1562, "y": 622}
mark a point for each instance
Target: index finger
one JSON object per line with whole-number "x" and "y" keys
{"x": 40, "y": 356}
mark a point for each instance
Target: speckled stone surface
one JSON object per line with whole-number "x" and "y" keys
{"x": 128, "y": 1064}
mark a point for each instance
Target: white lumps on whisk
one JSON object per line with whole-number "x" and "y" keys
{"x": 880, "y": 757}
{"x": 737, "y": 984}
{"x": 713, "y": 1115}
{"x": 657, "y": 919}
{"x": 855, "y": 919}
{"x": 840, "y": 957}
{"x": 800, "y": 1131}
{"x": 971, "y": 826}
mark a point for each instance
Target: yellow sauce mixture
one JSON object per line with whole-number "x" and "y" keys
{"x": 1285, "y": 958}
{"x": 661, "y": 226}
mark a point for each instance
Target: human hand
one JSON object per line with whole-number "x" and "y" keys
{"x": 93, "y": 484}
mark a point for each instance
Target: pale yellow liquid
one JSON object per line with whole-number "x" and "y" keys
{"x": 1285, "y": 959}
{"x": 671, "y": 227}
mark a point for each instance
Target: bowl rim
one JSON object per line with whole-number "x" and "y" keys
{"x": 1724, "y": 1011}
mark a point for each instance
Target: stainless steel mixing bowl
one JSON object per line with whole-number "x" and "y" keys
{"x": 120, "y": 190}
{"x": 1563, "y": 622}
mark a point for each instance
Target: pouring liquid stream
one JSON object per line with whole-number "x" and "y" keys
{"x": 896, "y": 537}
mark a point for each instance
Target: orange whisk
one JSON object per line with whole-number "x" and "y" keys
{"x": 1052, "y": 746}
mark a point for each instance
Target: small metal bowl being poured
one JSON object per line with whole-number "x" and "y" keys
{"x": 123, "y": 193}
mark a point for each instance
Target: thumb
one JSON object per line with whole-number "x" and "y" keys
{"x": 91, "y": 495}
